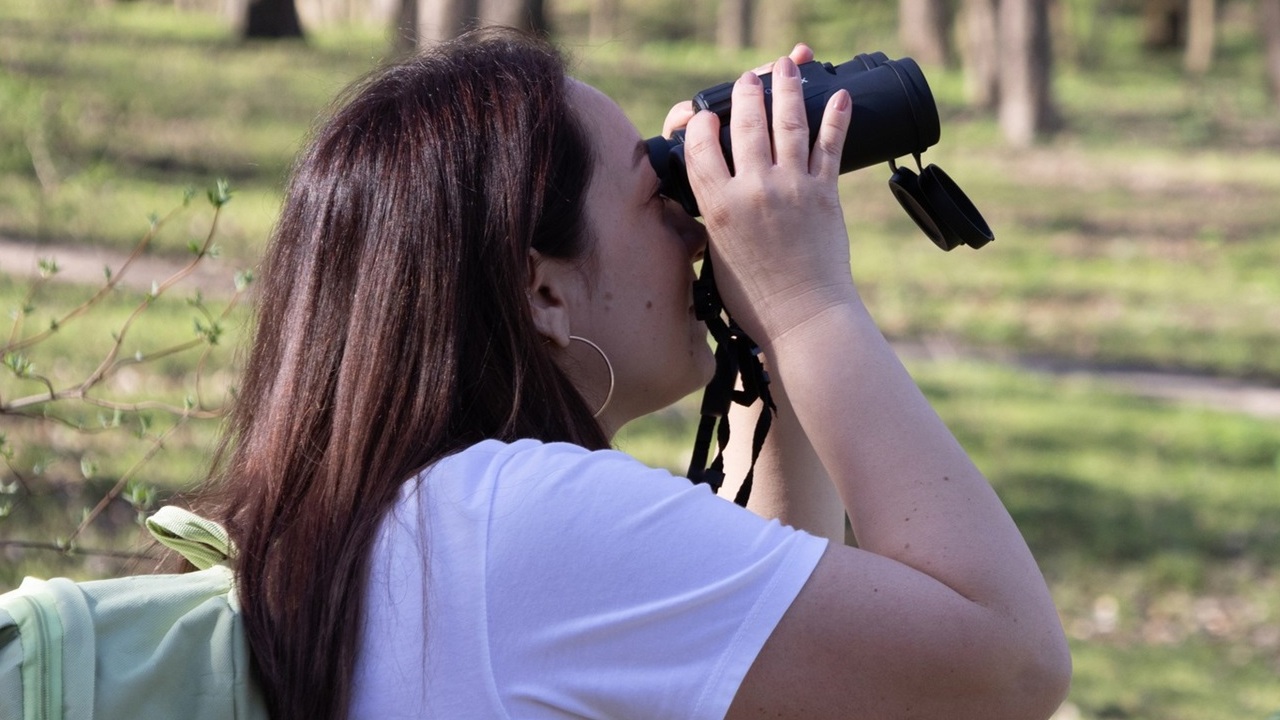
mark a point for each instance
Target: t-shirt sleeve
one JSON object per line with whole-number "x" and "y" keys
{"x": 620, "y": 591}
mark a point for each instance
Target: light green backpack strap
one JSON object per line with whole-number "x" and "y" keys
{"x": 32, "y": 611}
{"x": 204, "y": 543}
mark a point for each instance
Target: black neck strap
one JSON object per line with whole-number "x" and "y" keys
{"x": 737, "y": 355}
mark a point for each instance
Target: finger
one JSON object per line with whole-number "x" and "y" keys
{"x": 748, "y": 125}
{"x": 801, "y": 54}
{"x": 790, "y": 126}
{"x": 677, "y": 117}
{"x": 704, "y": 160}
{"x": 824, "y": 160}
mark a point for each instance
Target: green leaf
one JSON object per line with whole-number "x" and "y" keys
{"x": 220, "y": 193}
{"x": 18, "y": 364}
{"x": 87, "y": 468}
{"x": 140, "y": 495}
{"x": 48, "y": 267}
{"x": 243, "y": 279}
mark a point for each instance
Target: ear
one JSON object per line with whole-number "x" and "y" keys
{"x": 551, "y": 283}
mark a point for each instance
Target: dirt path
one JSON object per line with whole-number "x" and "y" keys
{"x": 84, "y": 265}
{"x": 1218, "y": 393}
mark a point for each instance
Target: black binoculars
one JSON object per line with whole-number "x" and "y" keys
{"x": 894, "y": 116}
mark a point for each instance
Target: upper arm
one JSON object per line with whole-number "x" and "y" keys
{"x": 868, "y": 637}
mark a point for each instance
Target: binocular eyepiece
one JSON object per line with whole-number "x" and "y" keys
{"x": 894, "y": 115}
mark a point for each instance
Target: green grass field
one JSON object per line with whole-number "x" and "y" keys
{"x": 1145, "y": 234}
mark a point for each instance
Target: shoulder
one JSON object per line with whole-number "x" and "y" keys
{"x": 570, "y": 477}
{"x": 622, "y": 572}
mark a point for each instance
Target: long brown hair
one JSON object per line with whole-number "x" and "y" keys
{"x": 393, "y": 329}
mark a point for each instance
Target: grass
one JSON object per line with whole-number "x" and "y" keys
{"x": 1144, "y": 234}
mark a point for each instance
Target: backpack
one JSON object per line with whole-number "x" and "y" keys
{"x": 136, "y": 647}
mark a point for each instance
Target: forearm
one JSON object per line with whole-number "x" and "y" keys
{"x": 790, "y": 482}
{"x": 911, "y": 491}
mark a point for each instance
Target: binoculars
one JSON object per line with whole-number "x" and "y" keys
{"x": 894, "y": 116}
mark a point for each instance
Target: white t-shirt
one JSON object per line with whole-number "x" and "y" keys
{"x": 532, "y": 580}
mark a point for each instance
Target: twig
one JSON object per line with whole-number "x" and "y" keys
{"x": 22, "y": 480}
{"x": 124, "y": 479}
{"x": 102, "y": 292}
{"x": 70, "y": 549}
{"x": 97, "y": 375}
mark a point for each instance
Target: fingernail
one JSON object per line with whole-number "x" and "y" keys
{"x": 786, "y": 68}
{"x": 843, "y": 102}
{"x": 750, "y": 78}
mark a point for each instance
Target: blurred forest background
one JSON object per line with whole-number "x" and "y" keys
{"x": 1112, "y": 361}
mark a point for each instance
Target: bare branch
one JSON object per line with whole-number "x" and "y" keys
{"x": 102, "y": 292}
{"x": 124, "y": 479}
{"x": 70, "y": 549}
{"x": 186, "y": 270}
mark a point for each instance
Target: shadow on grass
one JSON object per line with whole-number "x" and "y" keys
{"x": 1063, "y": 518}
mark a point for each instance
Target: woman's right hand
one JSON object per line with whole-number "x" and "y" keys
{"x": 777, "y": 232}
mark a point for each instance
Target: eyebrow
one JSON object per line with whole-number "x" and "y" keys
{"x": 641, "y": 152}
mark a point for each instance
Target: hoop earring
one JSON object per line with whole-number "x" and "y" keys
{"x": 609, "y": 395}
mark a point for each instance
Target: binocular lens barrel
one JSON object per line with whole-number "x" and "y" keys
{"x": 894, "y": 115}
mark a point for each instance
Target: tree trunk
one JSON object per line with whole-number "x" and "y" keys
{"x": 1163, "y": 23}
{"x": 404, "y": 27}
{"x": 1202, "y": 23}
{"x": 924, "y": 29}
{"x": 603, "y": 25}
{"x": 1269, "y": 27}
{"x": 774, "y": 25}
{"x": 271, "y": 19}
{"x": 440, "y": 20}
{"x": 733, "y": 31}
{"x": 539, "y": 22}
{"x": 1026, "y": 109}
{"x": 981, "y": 53}
{"x": 521, "y": 14}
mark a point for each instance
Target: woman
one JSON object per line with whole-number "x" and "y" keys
{"x": 473, "y": 284}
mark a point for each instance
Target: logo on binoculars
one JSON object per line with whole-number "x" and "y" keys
{"x": 769, "y": 90}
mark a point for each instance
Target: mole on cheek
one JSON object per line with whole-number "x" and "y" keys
{"x": 648, "y": 305}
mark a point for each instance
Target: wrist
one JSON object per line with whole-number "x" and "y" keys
{"x": 788, "y": 316}
{"x": 805, "y": 327}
